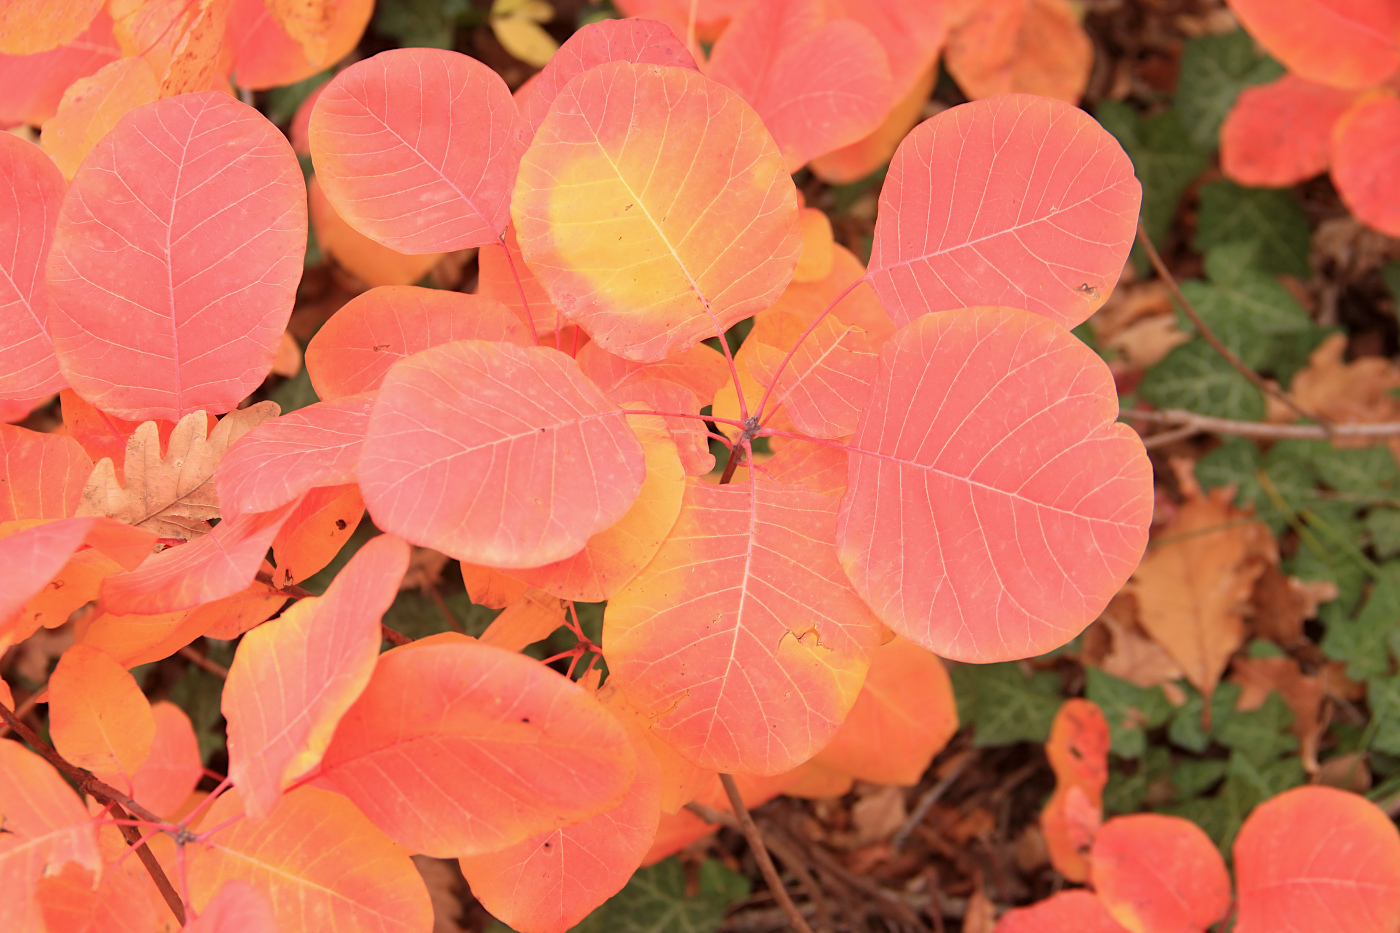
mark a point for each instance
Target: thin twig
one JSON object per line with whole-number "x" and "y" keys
{"x": 930, "y": 797}
{"x": 121, "y": 805}
{"x": 199, "y": 660}
{"x": 1169, "y": 437}
{"x": 443, "y": 608}
{"x": 27, "y": 707}
{"x": 1176, "y": 417}
{"x": 760, "y": 854}
{"x": 1216, "y": 344}
{"x": 392, "y": 636}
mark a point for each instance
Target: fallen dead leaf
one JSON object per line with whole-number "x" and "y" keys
{"x": 1147, "y": 341}
{"x": 425, "y": 568}
{"x": 1302, "y": 692}
{"x": 877, "y": 814}
{"x": 1194, "y": 583}
{"x": 1358, "y": 392}
{"x": 1118, "y": 645}
{"x": 981, "y": 914}
{"x": 171, "y": 495}
{"x": 1283, "y": 603}
{"x": 1348, "y": 771}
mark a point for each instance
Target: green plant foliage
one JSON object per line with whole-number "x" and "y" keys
{"x": 655, "y": 901}
{"x": 1214, "y": 70}
{"x": 282, "y": 102}
{"x": 1268, "y": 217}
{"x": 1188, "y": 728}
{"x": 424, "y": 23}
{"x": 198, "y": 693}
{"x": 296, "y": 392}
{"x": 1194, "y": 377}
{"x": 1362, "y": 641}
{"x": 1383, "y": 696}
{"x": 1383, "y": 531}
{"x": 1004, "y": 704}
{"x": 1130, "y": 710}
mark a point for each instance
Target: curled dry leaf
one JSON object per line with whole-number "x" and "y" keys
{"x": 1193, "y": 587}
{"x": 172, "y": 495}
{"x": 1302, "y": 692}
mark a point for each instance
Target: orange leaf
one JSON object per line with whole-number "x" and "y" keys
{"x": 615, "y": 555}
{"x": 489, "y": 587}
{"x": 504, "y": 277}
{"x": 852, "y": 163}
{"x": 1020, "y": 46}
{"x": 1045, "y": 225}
{"x": 73, "y": 901}
{"x": 1077, "y": 911}
{"x": 549, "y": 882}
{"x": 238, "y": 907}
{"x": 373, "y": 331}
{"x": 373, "y": 263}
{"x": 858, "y": 305}
{"x": 1160, "y": 874}
{"x": 496, "y": 454}
{"x": 742, "y": 634}
{"x": 711, "y": 16}
{"x": 817, "y": 247}
{"x": 671, "y": 272}
{"x": 28, "y": 210}
{"x": 1280, "y": 133}
{"x": 264, "y": 56}
{"x": 91, "y": 108}
{"x": 30, "y": 26}
{"x": 44, "y": 474}
{"x": 541, "y": 751}
{"x": 818, "y": 84}
{"x": 169, "y": 774}
{"x": 294, "y": 678}
{"x": 316, "y": 531}
{"x": 1304, "y": 694}
{"x": 1363, "y": 161}
{"x": 531, "y": 618}
{"x": 46, "y": 827}
{"x": 99, "y": 718}
{"x": 1306, "y": 35}
{"x": 141, "y": 639}
{"x": 905, "y": 715}
{"x": 1078, "y": 753}
{"x": 826, "y": 379}
{"x": 34, "y": 84}
{"x": 459, "y": 181}
{"x": 911, "y": 33}
{"x": 1317, "y": 858}
{"x": 318, "y": 860}
{"x": 281, "y": 458}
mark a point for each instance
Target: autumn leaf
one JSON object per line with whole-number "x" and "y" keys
{"x": 1078, "y": 753}
{"x": 99, "y": 717}
{"x": 33, "y": 189}
{"x": 42, "y": 474}
{"x": 1156, "y": 872}
{"x": 30, "y": 26}
{"x": 172, "y": 495}
{"x": 1193, "y": 587}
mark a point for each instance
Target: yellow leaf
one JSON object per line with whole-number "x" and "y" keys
{"x": 524, "y": 39}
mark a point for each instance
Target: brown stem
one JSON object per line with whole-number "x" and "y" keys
{"x": 1216, "y": 344}
{"x": 199, "y": 660}
{"x": 108, "y": 796}
{"x": 760, "y": 854}
{"x": 1176, "y": 417}
{"x": 443, "y": 608}
{"x": 392, "y": 636}
{"x": 926, "y": 802}
{"x": 27, "y": 707}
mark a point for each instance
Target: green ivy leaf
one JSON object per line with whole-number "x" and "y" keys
{"x": 282, "y": 102}
{"x": 1187, "y": 730}
{"x": 1383, "y": 696}
{"x": 1130, "y": 710}
{"x": 1003, "y": 704}
{"x": 1383, "y": 528}
{"x": 1214, "y": 70}
{"x": 1261, "y": 735}
{"x": 654, "y": 901}
{"x": 1269, "y": 217}
{"x": 1361, "y": 642}
{"x": 1194, "y": 377}
{"x": 422, "y": 23}
{"x": 1192, "y": 777}
{"x": 296, "y": 392}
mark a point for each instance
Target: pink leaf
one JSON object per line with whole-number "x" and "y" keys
{"x": 374, "y": 330}
{"x": 994, "y": 505}
{"x": 29, "y": 558}
{"x": 169, "y": 774}
{"x": 176, "y": 259}
{"x": 293, "y": 678}
{"x": 1280, "y": 133}
{"x": 417, "y": 149}
{"x": 44, "y": 474}
{"x": 498, "y": 455}
{"x": 34, "y": 84}
{"x": 31, "y": 189}
{"x": 282, "y": 458}
{"x": 238, "y": 907}
{"x": 1018, "y": 201}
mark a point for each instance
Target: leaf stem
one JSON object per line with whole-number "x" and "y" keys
{"x": 763, "y": 402}
{"x": 760, "y": 853}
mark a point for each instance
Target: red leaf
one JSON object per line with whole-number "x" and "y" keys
{"x": 1078, "y": 753}
{"x": 549, "y": 882}
{"x": 322, "y": 865}
{"x": 238, "y": 907}
{"x": 1306, "y": 35}
{"x": 1365, "y": 168}
{"x": 447, "y": 189}
{"x": 818, "y": 85}
{"x": 497, "y": 455}
{"x": 994, "y": 506}
{"x": 699, "y": 369}
{"x": 905, "y": 715}
{"x": 741, "y": 635}
{"x": 1077, "y": 911}
{"x": 536, "y": 749}
{"x": 1160, "y": 873}
{"x": 1018, "y": 201}
{"x": 44, "y": 474}
{"x": 711, "y": 16}
{"x": 179, "y": 305}
{"x": 294, "y": 678}
{"x": 46, "y": 826}
{"x": 672, "y": 269}
{"x": 612, "y": 40}
{"x": 211, "y": 567}
{"x": 34, "y": 84}
{"x": 1280, "y": 133}
{"x": 282, "y": 458}
{"x": 170, "y": 772}
{"x": 1317, "y": 858}
{"x": 857, "y": 304}
{"x": 31, "y": 189}
{"x": 366, "y": 259}
{"x": 373, "y": 331}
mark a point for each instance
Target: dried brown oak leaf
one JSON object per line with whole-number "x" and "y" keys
{"x": 1118, "y": 645}
{"x": 1194, "y": 583}
{"x": 171, "y": 495}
